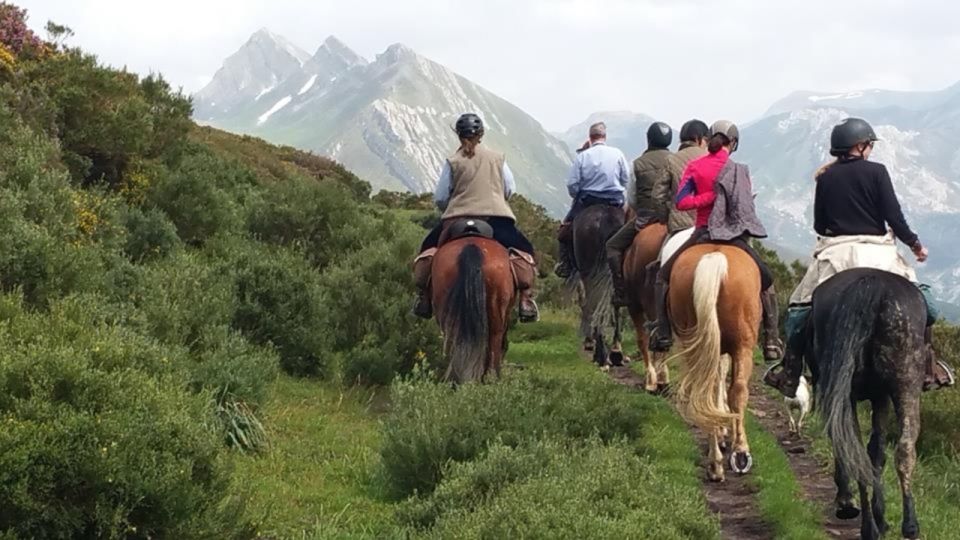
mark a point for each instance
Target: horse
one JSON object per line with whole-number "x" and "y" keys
{"x": 640, "y": 302}
{"x": 865, "y": 343}
{"x": 714, "y": 301}
{"x": 591, "y": 230}
{"x": 473, "y": 291}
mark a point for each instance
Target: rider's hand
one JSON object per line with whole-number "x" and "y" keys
{"x": 920, "y": 252}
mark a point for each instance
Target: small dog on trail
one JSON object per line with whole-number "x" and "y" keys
{"x": 800, "y": 404}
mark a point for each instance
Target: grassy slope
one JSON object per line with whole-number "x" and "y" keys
{"x": 320, "y": 478}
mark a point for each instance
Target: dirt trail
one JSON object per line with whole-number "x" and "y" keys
{"x": 734, "y": 500}
{"x": 815, "y": 479}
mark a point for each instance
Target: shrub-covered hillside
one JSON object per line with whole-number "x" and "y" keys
{"x": 155, "y": 277}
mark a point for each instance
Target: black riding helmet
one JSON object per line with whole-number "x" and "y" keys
{"x": 694, "y": 130}
{"x": 848, "y": 134}
{"x": 469, "y": 126}
{"x": 659, "y": 135}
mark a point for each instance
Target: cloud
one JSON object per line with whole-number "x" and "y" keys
{"x": 561, "y": 59}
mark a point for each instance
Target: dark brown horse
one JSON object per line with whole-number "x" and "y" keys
{"x": 715, "y": 310}
{"x": 640, "y": 303}
{"x": 591, "y": 230}
{"x": 473, "y": 292}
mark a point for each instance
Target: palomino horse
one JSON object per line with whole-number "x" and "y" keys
{"x": 640, "y": 302}
{"x": 865, "y": 342}
{"x": 591, "y": 230}
{"x": 473, "y": 292}
{"x": 715, "y": 309}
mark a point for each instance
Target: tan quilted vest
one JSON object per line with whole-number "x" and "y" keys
{"x": 477, "y": 187}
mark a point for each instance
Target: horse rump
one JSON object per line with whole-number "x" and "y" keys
{"x": 854, "y": 313}
{"x": 464, "y": 319}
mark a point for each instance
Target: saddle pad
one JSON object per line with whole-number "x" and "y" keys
{"x": 673, "y": 243}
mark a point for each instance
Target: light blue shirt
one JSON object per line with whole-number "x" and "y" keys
{"x": 441, "y": 195}
{"x": 600, "y": 169}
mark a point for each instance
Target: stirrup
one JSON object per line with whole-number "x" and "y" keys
{"x": 531, "y": 316}
{"x": 777, "y": 350}
{"x": 659, "y": 344}
{"x": 936, "y": 384}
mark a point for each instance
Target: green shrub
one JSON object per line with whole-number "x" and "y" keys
{"x": 183, "y": 298}
{"x": 92, "y": 448}
{"x": 278, "y": 303}
{"x": 555, "y": 488}
{"x": 369, "y": 299}
{"x": 432, "y": 424}
{"x": 941, "y": 427}
{"x": 322, "y": 219}
{"x": 149, "y": 235}
{"x": 195, "y": 198}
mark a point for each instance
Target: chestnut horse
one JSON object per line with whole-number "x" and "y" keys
{"x": 473, "y": 292}
{"x": 640, "y": 303}
{"x": 715, "y": 309}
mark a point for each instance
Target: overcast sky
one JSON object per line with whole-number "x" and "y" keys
{"x": 561, "y": 59}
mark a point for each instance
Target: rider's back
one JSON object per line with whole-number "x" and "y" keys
{"x": 477, "y": 187}
{"x": 856, "y": 197}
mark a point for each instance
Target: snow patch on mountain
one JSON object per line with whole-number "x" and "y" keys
{"x": 309, "y": 84}
{"x": 276, "y": 107}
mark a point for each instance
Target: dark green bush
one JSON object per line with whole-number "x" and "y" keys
{"x": 149, "y": 235}
{"x": 432, "y": 424}
{"x": 556, "y": 488}
{"x": 278, "y": 303}
{"x": 93, "y": 447}
{"x": 183, "y": 298}
{"x": 198, "y": 196}
{"x": 368, "y": 296}
{"x": 321, "y": 219}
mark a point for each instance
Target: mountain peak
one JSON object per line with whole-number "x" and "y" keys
{"x": 397, "y": 52}
{"x": 332, "y": 47}
{"x": 264, "y": 37}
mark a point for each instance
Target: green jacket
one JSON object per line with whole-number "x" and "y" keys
{"x": 655, "y": 171}
{"x": 678, "y": 220}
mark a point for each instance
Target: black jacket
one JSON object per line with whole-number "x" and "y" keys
{"x": 856, "y": 197}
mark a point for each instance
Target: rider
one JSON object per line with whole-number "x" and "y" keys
{"x": 653, "y": 193}
{"x": 702, "y": 182}
{"x": 854, "y": 205}
{"x": 599, "y": 175}
{"x": 476, "y": 183}
{"x": 650, "y": 195}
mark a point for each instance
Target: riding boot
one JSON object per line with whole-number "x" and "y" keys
{"x": 661, "y": 339}
{"x": 785, "y": 375}
{"x": 939, "y": 374}
{"x": 564, "y": 267}
{"x": 772, "y": 344}
{"x": 421, "y": 276}
{"x": 615, "y": 261}
{"x": 524, "y": 274}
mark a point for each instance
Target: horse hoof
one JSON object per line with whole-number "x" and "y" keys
{"x": 724, "y": 447}
{"x": 616, "y": 358}
{"x": 663, "y": 389}
{"x": 847, "y": 512}
{"x": 741, "y": 462}
{"x": 715, "y": 476}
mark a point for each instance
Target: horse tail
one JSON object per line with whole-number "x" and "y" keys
{"x": 703, "y": 377}
{"x": 843, "y": 339}
{"x": 465, "y": 321}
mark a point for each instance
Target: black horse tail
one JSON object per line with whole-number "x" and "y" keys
{"x": 465, "y": 324}
{"x": 842, "y": 340}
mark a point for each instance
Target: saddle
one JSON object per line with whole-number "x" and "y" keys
{"x": 465, "y": 227}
